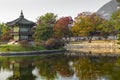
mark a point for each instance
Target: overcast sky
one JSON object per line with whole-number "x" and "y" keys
{"x": 10, "y": 9}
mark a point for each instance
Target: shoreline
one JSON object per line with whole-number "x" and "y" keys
{"x": 90, "y": 54}
{"x": 95, "y": 47}
{"x": 31, "y": 52}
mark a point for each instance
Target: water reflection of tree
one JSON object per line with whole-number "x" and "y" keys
{"x": 4, "y": 64}
{"x": 51, "y": 65}
{"x": 93, "y": 69}
{"x": 46, "y": 70}
{"x": 22, "y": 71}
{"x": 63, "y": 68}
{"x": 85, "y": 68}
{"x": 115, "y": 75}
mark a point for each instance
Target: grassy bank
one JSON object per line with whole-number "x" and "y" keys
{"x": 18, "y": 48}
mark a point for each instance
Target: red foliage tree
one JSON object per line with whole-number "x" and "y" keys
{"x": 6, "y": 36}
{"x": 61, "y": 28}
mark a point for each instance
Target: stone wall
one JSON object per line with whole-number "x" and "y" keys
{"x": 94, "y": 47}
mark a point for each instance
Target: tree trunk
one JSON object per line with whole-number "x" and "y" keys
{"x": 115, "y": 37}
{"x": 66, "y": 40}
{"x": 105, "y": 39}
{"x": 89, "y": 39}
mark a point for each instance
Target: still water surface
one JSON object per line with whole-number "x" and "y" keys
{"x": 59, "y": 67}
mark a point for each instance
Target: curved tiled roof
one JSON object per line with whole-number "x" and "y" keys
{"x": 20, "y": 21}
{"x": 107, "y": 10}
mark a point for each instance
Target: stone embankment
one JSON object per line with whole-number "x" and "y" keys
{"x": 101, "y": 47}
{"x": 31, "y": 52}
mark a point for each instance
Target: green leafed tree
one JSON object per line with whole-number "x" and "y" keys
{"x": 118, "y": 1}
{"x": 47, "y": 19}
{"x": 43, "y": 32}
{"x": 44, "y": 28}
{"x": 115, "y": 19}
{"x": 106, "y": 28}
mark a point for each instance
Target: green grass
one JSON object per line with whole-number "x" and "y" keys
{"x": 18, "y": 48}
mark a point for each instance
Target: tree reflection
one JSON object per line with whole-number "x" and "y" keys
{"x": 51, "y": 65}
{"x": 46, "y": 70}
{"x": 4, "y": 63}
{"x": 84, "y": 70}
{"x": 22, "y": 71}
{"x": 96, "y": 68}
{"x": 63, "y": 68}
{"x": 115, "y": 74}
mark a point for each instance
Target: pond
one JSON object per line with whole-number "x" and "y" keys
{"x": 60, "y": 66}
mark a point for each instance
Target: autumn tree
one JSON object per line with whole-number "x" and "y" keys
{"x": 5, "y": 32}
{"x": 86, "y": 24}
{"x": 61, "y": 28}
{"x": 44, "y": 29}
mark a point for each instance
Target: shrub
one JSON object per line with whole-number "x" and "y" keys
{"x": 39, "y": 43}
{"x": 53, "y": 43}
{"x": 24, "y": 43}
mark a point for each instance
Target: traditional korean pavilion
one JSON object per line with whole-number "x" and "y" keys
{"x": 21, "y": 28}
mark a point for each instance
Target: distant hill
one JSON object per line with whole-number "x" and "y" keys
{"x": 107, "y": 10}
